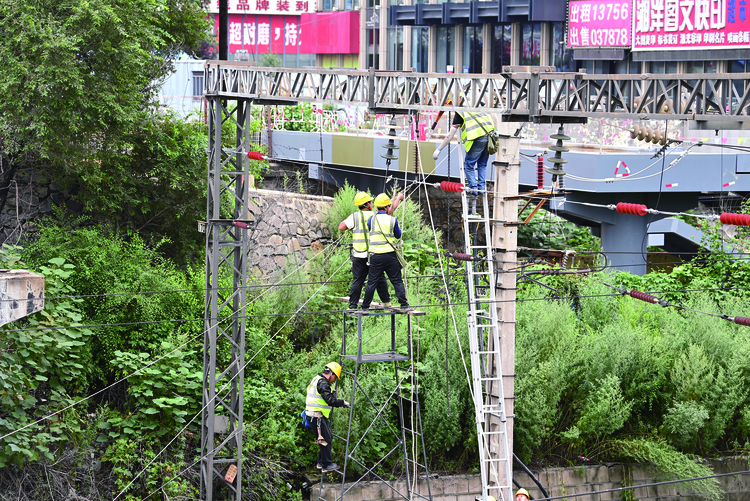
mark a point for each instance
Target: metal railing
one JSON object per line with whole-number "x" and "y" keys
{"x": 520, "y": 93}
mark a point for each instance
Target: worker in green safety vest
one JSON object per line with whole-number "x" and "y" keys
{"x": 475, "y": 129}
{"x": 320, "y": 401}
{"x": 357, "y": 222}
{"x": 384, "y": 233}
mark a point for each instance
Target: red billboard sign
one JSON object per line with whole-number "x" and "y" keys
{"x": 261, "y": 34}
{"x": 321, "y": 33}
{"x": 690, "y": 24}
{"x": 599, "y": 23}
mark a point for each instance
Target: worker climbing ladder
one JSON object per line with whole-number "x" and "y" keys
{"x": 486, "y": 339}
{"x": 409, "y": 440}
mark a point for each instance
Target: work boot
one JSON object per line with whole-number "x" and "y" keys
{"x": 387, "y": 305}
{"x": 330, "y": 467}
{"x": 319, "y": 466}
{"x": 363, "y": 311}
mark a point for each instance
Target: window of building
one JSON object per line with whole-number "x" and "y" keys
{"x": 500, "y": 47}
{"x": 396, "y": 48}
{"x": 328, "y": 4}
{"x": 531, "y": 44}
{"x": 420, "y": 46}
{"x": 596, "y": 67}
{"x": 472, "y": 62}
{"x": 663, "y": 67}
{"x": 197, "y": 85}
{"x": 446, "y": 36}
{"x": 700, "y": 66}
{"x": 626, "y": 66}
{"x": 738, "y": 66}
{"x": 372, "y": 26}
{"x": 561, "y": 57}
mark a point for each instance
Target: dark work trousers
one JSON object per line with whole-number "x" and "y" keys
{"x": 360, "y": 270}
{"x": 385, "y": 263}
{"x": 324, "y": 454}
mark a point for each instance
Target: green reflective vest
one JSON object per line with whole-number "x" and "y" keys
{"x": 381, "y": 234}
{"x": 475, "y": 125}
{"x": 315, "y": 402}
{"x": 360, "y": 233}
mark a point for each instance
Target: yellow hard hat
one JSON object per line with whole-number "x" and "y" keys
{"x": 524, "y": 492}
{"x": 335, "y": 368}
{"x": 361, "y": 198}
{"x": 382, "y": 200}
{"x": 489, "y": 498}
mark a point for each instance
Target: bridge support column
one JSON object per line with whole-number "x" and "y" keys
{"x": 624, "y": 242}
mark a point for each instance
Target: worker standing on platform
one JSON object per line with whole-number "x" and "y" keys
{"x": 357, "y": 222}
{"x": 320, "y": 401}
{"x": 475, "y": 129}
{"x": 384, "y": 233}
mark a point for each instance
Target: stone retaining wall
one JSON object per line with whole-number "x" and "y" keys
{"x": 289, "y": 229}
{"x": 558, "y": 482}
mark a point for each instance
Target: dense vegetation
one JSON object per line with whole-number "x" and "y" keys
{"x": 100, "y": 393}
{"x": 116, "y": 305}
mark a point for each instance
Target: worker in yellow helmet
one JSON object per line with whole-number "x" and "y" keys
{"x": 384, "y": 233}
{"x": 320, "y": 401}
{"x": 522, "y": 495}
{"x": 357, "y": 222}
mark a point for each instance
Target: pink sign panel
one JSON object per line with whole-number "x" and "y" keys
{"x": 599, "y": 23}
{"x": 261, "y": 34}
{"x": 690, "y": 24}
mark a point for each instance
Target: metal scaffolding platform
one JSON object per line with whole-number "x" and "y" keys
{"x": 407, "y": 432}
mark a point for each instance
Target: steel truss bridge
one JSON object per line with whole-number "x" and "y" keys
{"x": 520, "y": 93}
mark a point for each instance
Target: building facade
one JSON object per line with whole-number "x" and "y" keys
{"x": 434, "y": 36}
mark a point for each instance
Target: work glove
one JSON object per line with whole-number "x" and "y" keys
{"x": 436, "y": 154}
{"x": 346, "y": 404}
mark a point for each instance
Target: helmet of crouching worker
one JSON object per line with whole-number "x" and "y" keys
{"x": 335, "y": 368}
{"x": 382, "y": 200}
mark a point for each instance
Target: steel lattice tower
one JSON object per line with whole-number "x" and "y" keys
{"x": 227, "y": 220}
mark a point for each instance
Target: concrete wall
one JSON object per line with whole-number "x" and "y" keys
{"x": 559, "y": 482}
{"x": 288, "y": 231}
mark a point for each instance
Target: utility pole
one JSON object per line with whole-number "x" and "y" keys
{"x": 504, "y": 243}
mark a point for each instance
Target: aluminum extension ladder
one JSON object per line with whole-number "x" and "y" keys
{"x": 496, "y": 461}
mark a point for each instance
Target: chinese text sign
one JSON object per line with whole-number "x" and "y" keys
{"x": 599, "y": 23}
{"x": 690, "y": 24}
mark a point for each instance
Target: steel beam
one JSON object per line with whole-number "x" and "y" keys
{"x": 535, "y": 94}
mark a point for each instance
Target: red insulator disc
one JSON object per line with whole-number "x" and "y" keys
{"x": 450, "y": 186}
{"x": 240, "y": 224}
{"x": 255, "y": 155}
{"x": 635, "y": 209}
{"x": 461, "y": 257}
{"x": 644, "y": 297}
{"x": 732, "y": 218}
{"x": 742, "y": 321}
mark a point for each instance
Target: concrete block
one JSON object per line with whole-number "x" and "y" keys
{"x": 21, "y": 294}
{"x": 616, "y": 473}
{"x": 597, "y": 474}
{"x": 375, "y": 490}
{"x": 457, "y": 484}
{"x": 474, "y": 484}
{"x": 436, "y": 486}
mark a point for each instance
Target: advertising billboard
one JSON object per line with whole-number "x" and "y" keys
{"x": 286, "y": 7}
{"x": 314, "y": 33}
{"x": 690, "y": 24}
{"x": 599, "y": 23}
